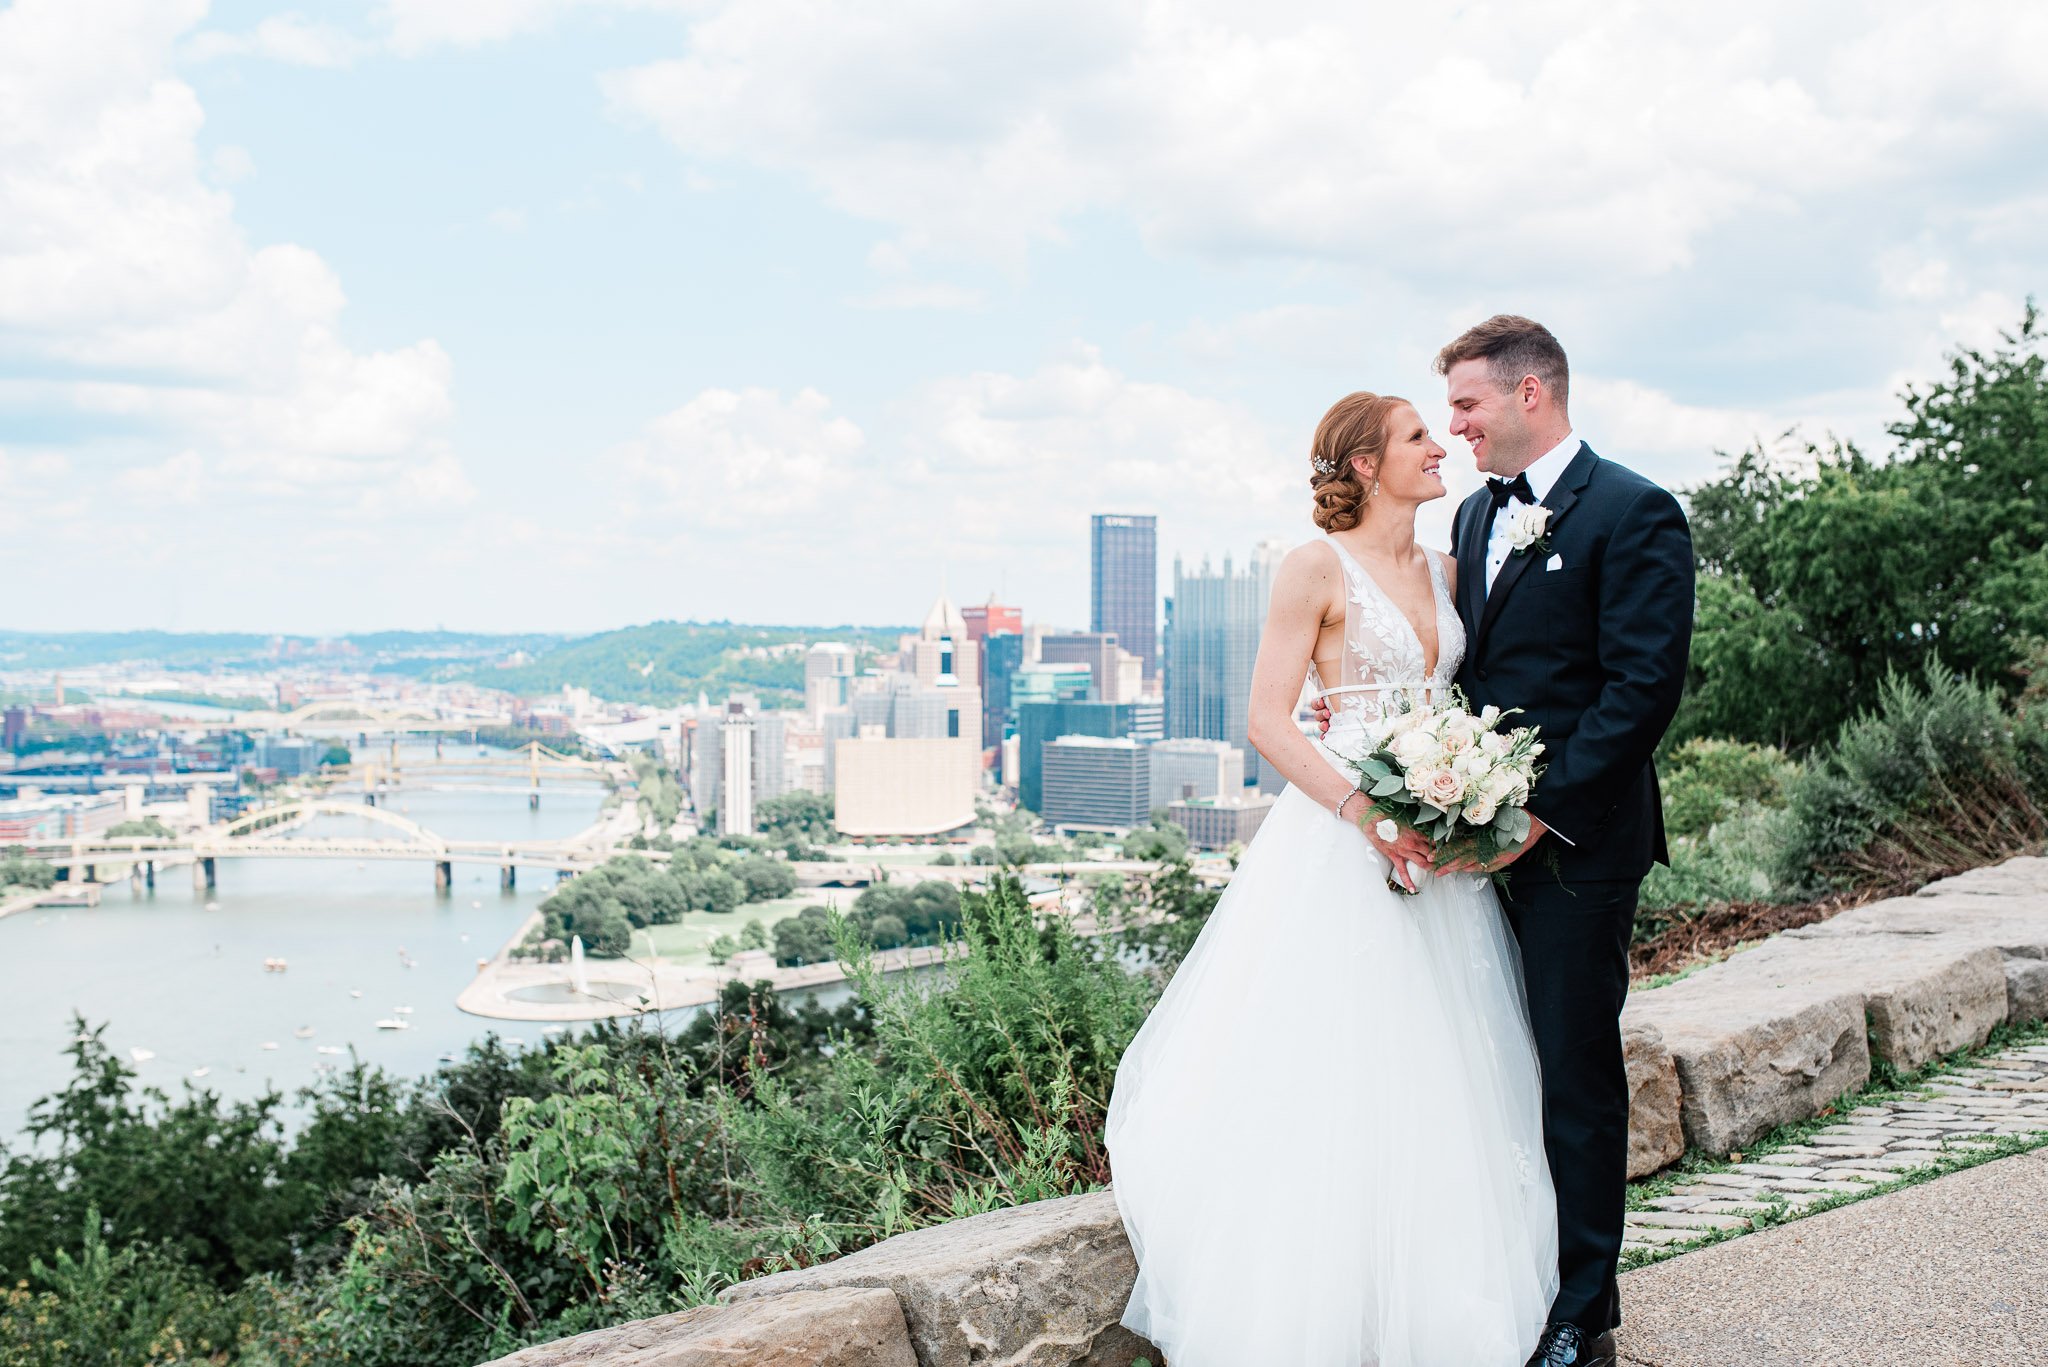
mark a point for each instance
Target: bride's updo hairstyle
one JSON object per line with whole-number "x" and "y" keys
{"x": 1355, "y": 426}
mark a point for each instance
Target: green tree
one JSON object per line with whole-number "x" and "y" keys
{"x": 1821, "y": 579}
{"x": 148, "y": 826}
{"x": 800, "y": 816}
{"x": 17, "y": 871}
{"x": 805, "y": 938}
{"x": 1161, "y": 842}
{"x": 765, "y": 879}
{"x": 753, "y": 935}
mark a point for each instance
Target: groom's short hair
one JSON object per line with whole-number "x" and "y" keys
{"x": 1512, "y": 346}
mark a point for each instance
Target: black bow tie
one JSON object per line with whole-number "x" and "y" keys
{"x": 1504, "y": 489}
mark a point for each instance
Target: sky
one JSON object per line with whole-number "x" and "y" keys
{"x": 561, "y": 315}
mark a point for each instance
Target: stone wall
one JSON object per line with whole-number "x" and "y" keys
{"x": 1769, "y": 1035}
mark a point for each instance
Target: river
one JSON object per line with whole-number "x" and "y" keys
{"x": 168, "y": 975}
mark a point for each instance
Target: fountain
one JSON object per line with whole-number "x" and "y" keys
{"x": 578, "y": 979}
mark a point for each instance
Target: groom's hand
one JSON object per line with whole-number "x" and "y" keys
{"x": 1500, "y": 861}
{"x": 1321, "y": 707}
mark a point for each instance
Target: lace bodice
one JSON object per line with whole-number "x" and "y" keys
{"x": 1383, "y": 654}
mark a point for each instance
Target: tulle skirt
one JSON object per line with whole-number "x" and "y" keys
{"x": 1327, "y": 1139}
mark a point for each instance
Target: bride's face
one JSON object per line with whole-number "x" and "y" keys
{"x": 1410, "y": 469}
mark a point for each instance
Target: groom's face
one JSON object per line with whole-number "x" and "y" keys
{"x": 1488, "y": 418}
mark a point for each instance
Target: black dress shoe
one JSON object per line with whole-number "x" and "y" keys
{"x": 1567, "y": 1345}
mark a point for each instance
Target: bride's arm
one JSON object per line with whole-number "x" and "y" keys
{"x": 1306, "y": 587}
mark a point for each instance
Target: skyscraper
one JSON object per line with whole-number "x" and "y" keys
{"x": 1041, "y": 722}
{"x": 1124, "y": 583}
{"x": 736, "y": 787}
{"x": 1096, "y": 781}
{"x": 1002, "y": 657}
{"x": 991, "y": 619}
{"x": 1217, "y": 618}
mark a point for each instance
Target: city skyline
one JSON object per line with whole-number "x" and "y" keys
{"x": 571, "y": 314}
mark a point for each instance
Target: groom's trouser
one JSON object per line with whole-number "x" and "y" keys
{"x": 1574, "y": 938}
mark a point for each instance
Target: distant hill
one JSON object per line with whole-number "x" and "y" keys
{"x": 57, "y": 650}
{"x": 658, "y": 664}
{"x": 663, "y": 663}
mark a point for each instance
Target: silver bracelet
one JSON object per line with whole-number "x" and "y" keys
{"x": 1355, "y": 792}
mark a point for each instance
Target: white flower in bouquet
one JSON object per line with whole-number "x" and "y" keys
{"x": 1493, "y": 743}
{"x": 1503, "y": 787}
{"x": 1489, "y": 717}
{"x": 1413, "y": 747}
{"x": 1442, "y": 789}
{"x": 1481, "y": 810}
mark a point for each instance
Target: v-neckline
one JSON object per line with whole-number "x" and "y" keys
{"x": 1414, "y": 632}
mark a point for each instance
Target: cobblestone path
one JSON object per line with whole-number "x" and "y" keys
{"x": 1867, "y": 1151}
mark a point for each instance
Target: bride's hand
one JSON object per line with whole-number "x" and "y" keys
{"x": 1407, "y": 848}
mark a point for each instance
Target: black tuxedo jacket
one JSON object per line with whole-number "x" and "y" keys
{"x": 1593, "y": 651}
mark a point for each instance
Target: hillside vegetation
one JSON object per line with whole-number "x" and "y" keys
{"x": 663, "y": 663}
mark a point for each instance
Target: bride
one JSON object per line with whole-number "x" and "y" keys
{"x": 1327, "y": 1139}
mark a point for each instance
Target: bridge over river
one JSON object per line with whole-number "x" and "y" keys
{"x": 278, "y": 832}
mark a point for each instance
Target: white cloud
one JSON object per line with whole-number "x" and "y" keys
{"x": 1476, "y": 142}
{"x": 289, "y": 38}
{"x": 744, "y": 461}
{"x": 126, "y": 275}
{"x": 919, "y": 296}
{"x": 507, "y": 220}
{"x": 1015, "y": 461}
{"x": 413, "y": 27}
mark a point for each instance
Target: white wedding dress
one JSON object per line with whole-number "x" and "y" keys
{"x": 1327, "y": 1140}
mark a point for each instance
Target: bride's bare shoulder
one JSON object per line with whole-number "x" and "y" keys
{"x": 1312, "y": 562}
{"x": 1309, "y": 581}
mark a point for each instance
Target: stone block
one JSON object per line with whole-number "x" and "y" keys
{"x": 1655, "y": 1136}
{"x": 2026, "y": 876}
{"x": 1042, "y": 1285}
{"x": 1930, "y": 1003}
{"x": 1754, "y": 1052}
{"x": 835, "y": 1327}
{"x": 2026, "y": 988}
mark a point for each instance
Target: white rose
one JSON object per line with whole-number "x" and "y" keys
{"x": 1386, "y": 830}
{"x": 1489, "y": 717}
{"x": 1412, "y": 747}
{"x": 1473, "y": 764}
{"x": 1480, "y": 811}
{"x": 1494, "y": 743}
{"x": 1527, "y": 528}
{"x": 1441, "y": 788}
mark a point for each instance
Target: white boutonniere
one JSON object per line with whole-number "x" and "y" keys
{"x": 1527, "y": 527}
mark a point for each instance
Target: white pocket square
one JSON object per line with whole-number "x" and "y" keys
{"x": 1556, "y": 562}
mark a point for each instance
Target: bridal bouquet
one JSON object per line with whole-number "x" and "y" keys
{"x": 1454, "y": 775}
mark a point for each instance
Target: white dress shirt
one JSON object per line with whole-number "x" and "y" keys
{"x": 1543, "y": 477}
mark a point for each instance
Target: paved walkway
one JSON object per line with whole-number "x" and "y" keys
{"x": 1953, "y": 1271}
{"x": 2004, "y": 1095}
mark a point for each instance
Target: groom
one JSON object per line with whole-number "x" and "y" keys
{"x": 1586, "y": 631}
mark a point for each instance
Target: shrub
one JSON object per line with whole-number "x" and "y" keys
{"x": 989, "y": 1093}
{"x": 1710, "y": 781}
{"x": 1930, "y": 781}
